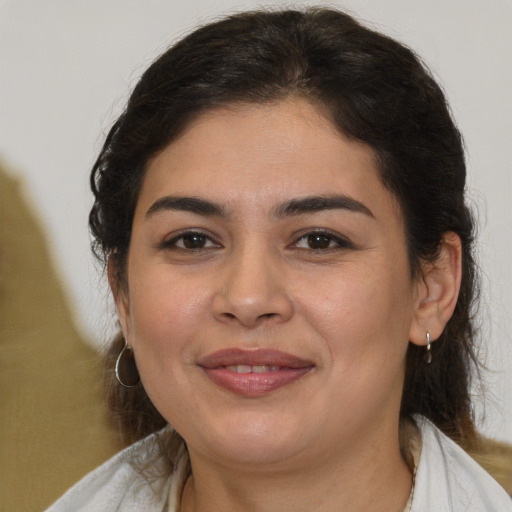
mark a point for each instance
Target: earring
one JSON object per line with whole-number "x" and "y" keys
{"x": 126, "y": 369}
{"x": 428, "y": 354}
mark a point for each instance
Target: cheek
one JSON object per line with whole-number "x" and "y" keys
{"x": 166, "y": 323}
{"x": 165, "y": 314}
{"x": 362, "y": 314}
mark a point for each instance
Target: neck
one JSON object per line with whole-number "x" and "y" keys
{"x": 370, "y": 476}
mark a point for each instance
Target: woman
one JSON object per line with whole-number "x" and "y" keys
{"x": 281, "y": 210}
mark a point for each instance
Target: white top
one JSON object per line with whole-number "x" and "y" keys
{"x": 447, "y": 480}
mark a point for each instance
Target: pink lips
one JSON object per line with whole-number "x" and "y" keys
{"x": 253, "y": 372}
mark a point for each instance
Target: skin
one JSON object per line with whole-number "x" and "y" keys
{"x": 252, "y": 278}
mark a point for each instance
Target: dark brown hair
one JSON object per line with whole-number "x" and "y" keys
{"x": 375, "y": 90}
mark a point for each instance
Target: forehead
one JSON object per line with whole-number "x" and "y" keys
{"x": 253, "y": 155}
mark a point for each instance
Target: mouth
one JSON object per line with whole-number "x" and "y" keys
{"x": 257, "y": 368}
{"x": 255, "y": 372}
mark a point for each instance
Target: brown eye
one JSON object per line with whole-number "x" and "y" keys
{"x": 193, "y": 241}
{"x": 323, "y": 241}
{"x": 319, "y": 241}
{"x": 190, "y": 240}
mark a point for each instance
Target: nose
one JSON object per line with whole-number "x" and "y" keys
{"x": 253, "y": 290}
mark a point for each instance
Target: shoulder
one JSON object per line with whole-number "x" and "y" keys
{"x": 449, "y": 480}
{"x": 119, "y": 485}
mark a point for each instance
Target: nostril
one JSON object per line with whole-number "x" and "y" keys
{"x": 264, "y": 316}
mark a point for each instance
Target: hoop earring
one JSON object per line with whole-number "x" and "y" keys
{"x": 428, "y": 354}
{"x": 126, "y": 370}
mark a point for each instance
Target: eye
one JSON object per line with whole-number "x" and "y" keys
{"x": 190, "y": 240}
{"x": 322, "y": 241}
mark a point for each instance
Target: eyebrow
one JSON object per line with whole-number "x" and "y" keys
{"x": 186, "y": 204}
{"x": 301, "y": 206}
{"x": 313, "y": 204}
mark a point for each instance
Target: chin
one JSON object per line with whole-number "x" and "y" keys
{"x": 261, "y": 453}
{"x": 253, "y": 442}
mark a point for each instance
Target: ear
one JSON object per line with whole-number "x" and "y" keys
{"x": 438, "y": 290}
{"x": 119, "y": 289}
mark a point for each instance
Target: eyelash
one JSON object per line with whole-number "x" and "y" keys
{"x": 340, "y": 243}
{"x": 172, "y": 244}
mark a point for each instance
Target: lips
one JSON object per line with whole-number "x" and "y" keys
{"x": 254, "y": 372}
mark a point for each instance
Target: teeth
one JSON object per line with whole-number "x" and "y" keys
{"x": 244, "y": 368}
{"x": 239, "y": 368}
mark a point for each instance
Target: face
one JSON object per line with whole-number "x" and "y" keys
{"x": 269, "y": 300}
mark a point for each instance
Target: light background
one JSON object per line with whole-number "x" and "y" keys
{"x": 67, "y": 66}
